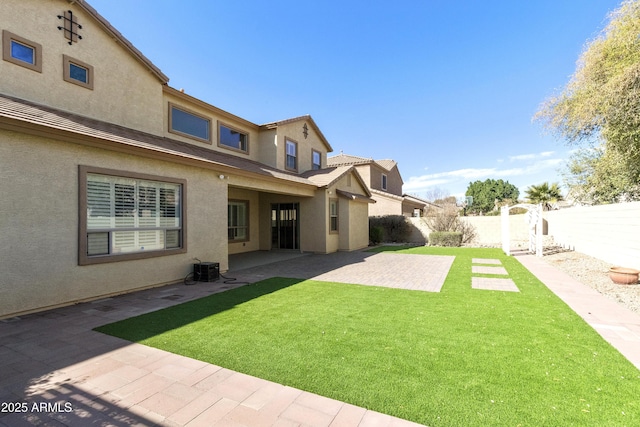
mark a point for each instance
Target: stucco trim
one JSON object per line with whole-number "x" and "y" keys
{"x": 8, "y": 37}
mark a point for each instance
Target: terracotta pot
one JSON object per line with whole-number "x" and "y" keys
{"x": 624, "y": 276}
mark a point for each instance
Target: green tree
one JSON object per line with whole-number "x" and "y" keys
{"x": 545, "y": 194}
{"x": 594, "y": 176}
{"x": 486, "y": 193}
{"x": 601, "y": 106}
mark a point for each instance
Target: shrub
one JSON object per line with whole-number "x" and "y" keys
{"x": 376, "y": 234}
{"x": 445, "y": 238}
{"x": 447, "y": 219}
{"x": 395, "y": 227}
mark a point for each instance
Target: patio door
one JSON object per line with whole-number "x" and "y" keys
{"x": 285, "y": 228}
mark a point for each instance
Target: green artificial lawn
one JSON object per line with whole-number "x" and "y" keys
{"x": 460, "y": 357}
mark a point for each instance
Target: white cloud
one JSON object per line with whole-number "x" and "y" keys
{"x": 425, "y": 182}
{"x": 530, "y": 156}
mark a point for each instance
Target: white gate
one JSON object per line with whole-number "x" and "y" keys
{"x": 533, "y": 219}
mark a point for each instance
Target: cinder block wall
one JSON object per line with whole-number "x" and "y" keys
{"x": 608, "y": 232}
{"x": 489, "y": 228}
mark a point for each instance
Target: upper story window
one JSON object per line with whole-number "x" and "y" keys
{"x": 189, "y": 124}
{"x": 21, "y": 51}
{"x": 232, "y": 138}
{"x": 291, "y": 161}
{"x": 384, "y": 182}
{"x": 316, "y": 160}
{"x": 77, "y": 72}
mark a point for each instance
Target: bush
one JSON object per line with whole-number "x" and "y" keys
{"x": 376, "y": 234}
{"x": 395, "y": 228}
{"x": 445, "y": 238}
{"x": 447, "y": 219}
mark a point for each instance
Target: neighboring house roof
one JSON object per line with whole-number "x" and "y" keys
{"x": 122, "y": 40}
{"x": 419, "y": 200}
{"x": 347, "y": 159}
{"x": 387, "y": 164}
{"x": 308, "y": 118}
{"x": 28, "y": 117}
{"x": 386, "y": 194}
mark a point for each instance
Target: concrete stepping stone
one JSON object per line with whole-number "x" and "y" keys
{"x": 478, "y": 269}
{"x": 494, "y": 284}
{"x": 486, "y": 261}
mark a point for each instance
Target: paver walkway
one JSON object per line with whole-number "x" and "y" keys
{"x": 405, "y": 271}
{"x": 614, "y": 322}
{"x": 77, "y": 377}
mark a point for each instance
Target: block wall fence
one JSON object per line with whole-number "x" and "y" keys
{"x": 607, "y": 232}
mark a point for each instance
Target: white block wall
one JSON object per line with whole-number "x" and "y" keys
{"x": 608, "y": 232}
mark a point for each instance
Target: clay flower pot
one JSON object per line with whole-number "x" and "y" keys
{"x": 624, "y": 276}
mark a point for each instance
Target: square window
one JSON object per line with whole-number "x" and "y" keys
{"x": 232, "y": 138}
{"x": 22, "y": 52}
{"x": 77, "y": 72}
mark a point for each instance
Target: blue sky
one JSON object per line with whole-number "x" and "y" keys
{"x": 446, "y": 88}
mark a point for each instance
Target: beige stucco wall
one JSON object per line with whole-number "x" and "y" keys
{"x": 268, "y": 147}
{"x": 608, "y": 232}
{"x": 216, "y": 117}
{"x": 294, "y": 131}
{"x": 385, "y": 205}
{"x": 357, "y": 235}
{"x": 119, "y": 79}
{"x": 39, "y": 223}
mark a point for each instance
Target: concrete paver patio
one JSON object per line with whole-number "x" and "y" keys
{"x": 77, "y": 377}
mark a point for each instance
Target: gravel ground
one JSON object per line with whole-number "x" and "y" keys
{"x": 593, "y": 273}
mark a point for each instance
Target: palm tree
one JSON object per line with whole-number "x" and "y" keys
{"x": 545, "y": 194}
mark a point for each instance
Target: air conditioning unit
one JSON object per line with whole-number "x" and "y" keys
{"x": 206, "y": 271}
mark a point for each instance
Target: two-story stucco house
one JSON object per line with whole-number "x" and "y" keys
{"x": 114, "y": 181}
{"x": 383, "y": 179}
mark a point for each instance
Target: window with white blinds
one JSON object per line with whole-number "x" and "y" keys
{"x": 127, "y": 215}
